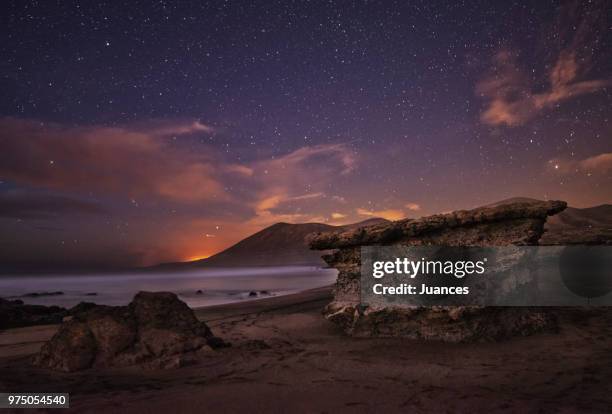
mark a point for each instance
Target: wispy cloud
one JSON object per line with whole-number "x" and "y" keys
{"x": 594, "y": 165}
{"x": 285, "y": 184}
{"x": 187, "y": 191}
{"x": 599, "y": 163}
{"x": 145, "y": 161}
{"x": 511, "y": 95}
{"x": 114, "y": 160}
{"x": 391, "y": 214}
{"x": 174, "y": 127}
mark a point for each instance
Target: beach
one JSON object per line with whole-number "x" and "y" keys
{"x": 196, "y": 287}
{"x": 285, "y": 354}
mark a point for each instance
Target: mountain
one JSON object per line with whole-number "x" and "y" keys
{"x": 281, "y": 244}
{"x": 284, "y": 244}
{"x": 591, "y": 225}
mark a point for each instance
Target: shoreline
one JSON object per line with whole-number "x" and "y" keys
{"x": 285, "y": 354}
{"x": 26, "y": 340}
{"x": 197, "y": 289}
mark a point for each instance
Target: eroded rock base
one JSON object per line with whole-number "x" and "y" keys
{"x": 448, "y": 324}
{"x": 520, "y": 223}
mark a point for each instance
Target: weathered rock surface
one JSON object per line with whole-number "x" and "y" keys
{"x": 155, "y": 330}
{"x": 16, "y": 314}
{"x": 520, "y": 223}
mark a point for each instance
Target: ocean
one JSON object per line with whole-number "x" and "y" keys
{"x": 196, "y": 288}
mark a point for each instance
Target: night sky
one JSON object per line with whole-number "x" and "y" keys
{"x": 133, "y": 133}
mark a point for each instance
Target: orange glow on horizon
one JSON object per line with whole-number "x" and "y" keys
{"x": 197, "y": 257}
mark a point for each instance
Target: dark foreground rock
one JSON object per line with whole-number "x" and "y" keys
{"x": 16, "y": 314}
{"x": 155, "y": 330}
{"x": 520, "y": 223}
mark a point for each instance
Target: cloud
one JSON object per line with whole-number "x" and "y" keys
{"x": 26, "y": 205}
{"x": 338, "y": 216}
{"x": 307, "y": 196}
{"x": 115, "y": 160}
{"x": 239, "y": 169}
{"x": 412, "y": 206}
{"x": 511, "y": 101}
{"x": 390, "y": 214}
{"x": 160, "y": 160}
{"x": 267, "y": 209}
{"x": 511, "y": 96}
{"x": 171, "y": 127}
{"x": 288, "y": 183}
{"x": 597, "y": 164}
{"x": 319, "y": 160}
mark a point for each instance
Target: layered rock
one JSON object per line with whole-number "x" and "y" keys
{"x": 155, "y": 329}
{"x": 520, "y": 223}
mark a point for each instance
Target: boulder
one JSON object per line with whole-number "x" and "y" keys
{"x": 155, "y": 330}
{"x": 519, "y": 223}
{"x": 72, "y": 348}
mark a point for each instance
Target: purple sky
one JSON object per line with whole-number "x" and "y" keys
{"x": 149, "y": 132}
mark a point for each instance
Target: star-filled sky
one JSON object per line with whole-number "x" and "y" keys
{"x": 133, "y": 133}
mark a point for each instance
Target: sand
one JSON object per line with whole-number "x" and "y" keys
{"x": 287, "y": 358}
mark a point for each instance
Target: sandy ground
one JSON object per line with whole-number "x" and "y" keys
{"x": 305, "y": 364}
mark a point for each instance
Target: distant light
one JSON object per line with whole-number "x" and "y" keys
{"x": 194, "y": 258}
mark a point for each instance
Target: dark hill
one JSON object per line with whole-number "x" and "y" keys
{"x": 591, "y": 225}
{"x": 281, "y": 244}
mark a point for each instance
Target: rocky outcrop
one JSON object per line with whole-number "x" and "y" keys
{"x": 520, "y": 223}
{"x": 16, "y": 314}
{"x": 155, "y": 330}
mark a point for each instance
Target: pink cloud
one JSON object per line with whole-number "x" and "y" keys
{"x": 390, "y": 214}
{"x": 510, "y": 99}
{"x": 510, "y": 94}
{"x": 144, "y": 160}
{"x": 117, "y": 160}
{"x": 596, "y": 164}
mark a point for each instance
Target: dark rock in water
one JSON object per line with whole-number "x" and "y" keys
{"x": 199, "y": 292}
{"x": 156, "y": 330}
{"x": 519, "y": 223}
{"x": 15, "y": 314}
{"x": 39, "y": 294}
{"x": 252, "y": 294}
{"x": 91, "y": 294}
{"x": 264, "y": 292}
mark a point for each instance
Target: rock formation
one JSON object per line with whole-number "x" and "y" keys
{"x": 520, "y": 223}
{"x": 155, "y": 329}
{"x": 16, "y": 314}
